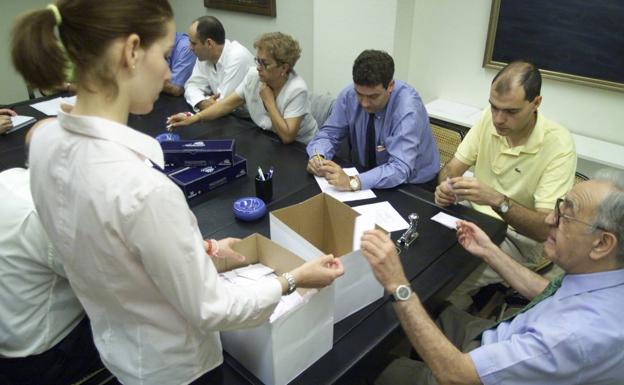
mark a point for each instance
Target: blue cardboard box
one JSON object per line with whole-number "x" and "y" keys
{"x": 195, "y": 181}
{"x": 198, "y": 153}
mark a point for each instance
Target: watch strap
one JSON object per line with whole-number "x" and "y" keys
{"x": 292, "y": 285}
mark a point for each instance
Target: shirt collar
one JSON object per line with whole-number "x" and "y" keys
{"x": 95, "y": 127}
{"x": 533, "y": 144}
{"x": 574, "y": 284}
{"x": 224, "y": 53}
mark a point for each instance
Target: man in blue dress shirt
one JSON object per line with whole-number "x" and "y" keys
{"x": 181, "y": 62}
{"x": 571, "y": 332}
{"x": 387, "y": 128}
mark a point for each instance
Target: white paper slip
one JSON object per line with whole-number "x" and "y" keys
{"x": 254, "y": 272}
{"x": 344, "y": 196}
{"x": 385, "y": 216}
{"x": 20, "y": 121}
{"x": 362, "y": 223}
{"x": 446, "y": 220}
{"x": 51, "y": 107}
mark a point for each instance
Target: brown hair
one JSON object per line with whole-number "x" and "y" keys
{"x": 282, "y": 47}
{"x": 86, "y": 30}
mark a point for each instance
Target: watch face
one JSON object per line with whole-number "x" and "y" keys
{"x": 504, "y": 207}
{"x": 403, "y": 292}
{"x": 353, "y": 183}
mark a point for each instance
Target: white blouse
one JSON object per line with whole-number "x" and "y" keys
{"x": 134, "y": 254}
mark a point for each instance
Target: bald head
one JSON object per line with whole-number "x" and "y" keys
{"x": 518, "y": 74}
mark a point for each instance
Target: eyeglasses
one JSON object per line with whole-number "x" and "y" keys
{"x": 262, "y": 63}
{"x": 558, "y": 216}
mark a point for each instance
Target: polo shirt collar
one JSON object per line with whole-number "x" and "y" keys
{"x": 105, "y": 129}
{"x": 574, "y": 284}
{"x": 533, "y": 144}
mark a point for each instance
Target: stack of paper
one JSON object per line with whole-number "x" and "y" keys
{"x": 20, "y": 121}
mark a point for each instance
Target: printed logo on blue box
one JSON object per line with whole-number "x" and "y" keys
{"x": 195, "y": 181}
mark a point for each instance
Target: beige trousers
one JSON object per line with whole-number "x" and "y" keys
{"x": 462, "y": 329}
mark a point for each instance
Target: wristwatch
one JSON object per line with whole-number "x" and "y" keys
{"x": 505, "y": 205}
{"x": 354, "y": 183}
{"x": 402, "y": 293}
{"x": 292, "y": 285}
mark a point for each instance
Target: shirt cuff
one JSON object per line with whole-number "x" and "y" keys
{"x": 367, "y": 180}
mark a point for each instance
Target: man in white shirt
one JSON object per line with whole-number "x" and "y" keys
{"x": 220, "y": 67}
{"x": 44, "y": 334}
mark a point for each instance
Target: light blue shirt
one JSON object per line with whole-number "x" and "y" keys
{"x": 181, "y": 60}
{"x": 406, "y": 150}
{"x": 574, "y": 337}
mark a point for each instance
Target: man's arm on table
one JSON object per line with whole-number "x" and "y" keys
{"x": 172, "y": 89}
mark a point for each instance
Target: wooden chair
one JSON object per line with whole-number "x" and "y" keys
{"x": 578, "y": 178}
{"x": 447, "y": 140}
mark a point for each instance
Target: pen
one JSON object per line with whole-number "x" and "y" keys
{"x": 448, "y": 180}
{"x": 319, "y": 160}
{"x": 261, "y": 174}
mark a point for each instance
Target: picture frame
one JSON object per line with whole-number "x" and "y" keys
{"x": 575, "y": 41}
{"x": 258, "y": 7}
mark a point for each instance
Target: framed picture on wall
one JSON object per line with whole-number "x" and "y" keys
{"x": 577, "y": 41}
{"x": 259, "y": 7}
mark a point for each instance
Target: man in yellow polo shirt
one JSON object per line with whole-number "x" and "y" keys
{"x": 522, "y": 163}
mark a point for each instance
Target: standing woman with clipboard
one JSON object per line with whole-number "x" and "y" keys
{"x": 130, "y": 244}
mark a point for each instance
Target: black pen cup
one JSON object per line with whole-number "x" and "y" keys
{"x": 264, "y": 188}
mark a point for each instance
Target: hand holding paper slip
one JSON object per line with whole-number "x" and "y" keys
{"x": 446, "y": 220}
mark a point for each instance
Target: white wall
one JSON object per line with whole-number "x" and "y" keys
{"x": 342, "y": 29}
{"x": 446, "y": 62}
{"x": 12, "y": 88}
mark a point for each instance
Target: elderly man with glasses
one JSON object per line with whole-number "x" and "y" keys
{"x": 570, "y": 333}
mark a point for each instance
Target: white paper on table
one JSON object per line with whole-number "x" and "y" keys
{"x": 254, "y": 272}
{"x": 51, "y": 107}
{"x": 446, "y": 220}
{"x": 385, "y": 216}
{"x": 20, "y": 121}
{"x": 362, "y": 223}
{"x": 344, "y": 196}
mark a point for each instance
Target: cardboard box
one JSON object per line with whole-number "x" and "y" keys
{"x": 195, "y": 181}
{"x": 278, "y": 352}
{"x": 324, "y": 225}
{"x": 198, "y": 153}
